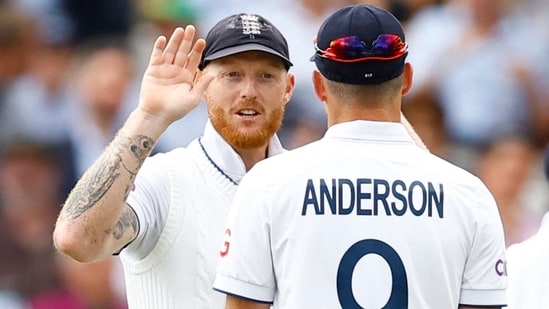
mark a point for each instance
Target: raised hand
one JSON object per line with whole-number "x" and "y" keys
{"x": 172, "y": 85}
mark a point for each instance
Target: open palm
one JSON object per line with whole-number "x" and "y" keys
{"x": 171, "y": 86}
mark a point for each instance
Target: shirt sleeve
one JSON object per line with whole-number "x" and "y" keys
{"x": 245, "y": 265}
{"x": 149, "y": 199}
{"x": 485, "y": 275}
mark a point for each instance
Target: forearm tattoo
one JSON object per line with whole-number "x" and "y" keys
{"x": 127, "y": 220}
{"x": 100, "y": 178}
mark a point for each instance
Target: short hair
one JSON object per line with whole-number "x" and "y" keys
{"x": 351, "y": 92}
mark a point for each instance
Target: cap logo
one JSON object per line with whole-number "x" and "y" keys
{"x": 250, "y": 25}
{"x": 244, "y": 32}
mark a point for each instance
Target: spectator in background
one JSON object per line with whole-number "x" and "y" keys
{"x": 92, "y": 19}
{"x": 471, "y": 54}
{"x": 35, "y": 112}
{"x": 36, "y": 103}
{"x": 159, "y": 17}
{"x": 402, "y": 9}
{"x": 32, "y": 274}
{"x": 427, "y": 118}
{"x": 507, "y": 167}
{"x": 15, "y": 40}
{"x": 527, "y": 270}
{"x": 100, "y": 80}
{"x": 30, "y": 195}
{"x": 83, "y": 286}
{"x": 16, "y": 43}
{"x": 537, "y": 11}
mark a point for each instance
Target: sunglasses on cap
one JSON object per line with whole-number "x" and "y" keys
{"x": 352, "y": 49}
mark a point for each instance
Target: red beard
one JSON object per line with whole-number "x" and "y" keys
{"x": 245, "y": 139}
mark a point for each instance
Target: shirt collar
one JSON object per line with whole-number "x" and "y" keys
{"x": 225, "y": 157}
{"x": 370, "y": 130}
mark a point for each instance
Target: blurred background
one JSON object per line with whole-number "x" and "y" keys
{"x": 70, "y": 73}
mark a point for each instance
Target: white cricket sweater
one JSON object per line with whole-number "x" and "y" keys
{"x": 182, "y": 199}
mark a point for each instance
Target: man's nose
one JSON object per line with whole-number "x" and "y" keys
{"x": 249, "y": 88}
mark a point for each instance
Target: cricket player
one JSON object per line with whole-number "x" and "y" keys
{"x": 363, "y": 218}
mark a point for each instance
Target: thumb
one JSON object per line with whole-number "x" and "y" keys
{"x": 201, "y": 84}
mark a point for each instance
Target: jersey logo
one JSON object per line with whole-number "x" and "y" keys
{"x": 226, "y": 243}
{"x": 501, "y": 268}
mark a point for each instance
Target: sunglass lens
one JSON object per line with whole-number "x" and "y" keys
{"x": 386, "y": 45}
{"x": 348, "y": 48}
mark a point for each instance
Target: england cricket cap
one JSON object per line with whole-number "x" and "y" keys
{"x": 244, "y": 32}
{"x": 360, "y": 44}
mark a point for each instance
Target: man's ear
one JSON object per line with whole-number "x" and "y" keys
{"x": 318, "y": 84}
{"x": 290, "y": 86}
{"x": 408, "y": 77}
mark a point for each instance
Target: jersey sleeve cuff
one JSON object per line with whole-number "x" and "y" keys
{"x": 243, "y": 289}
{"x": 483, "y": 298}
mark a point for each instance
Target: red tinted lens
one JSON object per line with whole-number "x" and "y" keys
{"x": 388, "y": 45}
{"x": 352, "y": 49}
{"x": 347, "y": 48}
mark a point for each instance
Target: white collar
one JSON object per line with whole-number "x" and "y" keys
{"x": 370, "y": 130}
{"x": 225, "y": 157}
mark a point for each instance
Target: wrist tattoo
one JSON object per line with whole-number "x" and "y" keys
{"x": 140, "y": 148}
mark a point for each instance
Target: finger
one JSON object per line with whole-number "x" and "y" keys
{"x": 173, "y": 44}
{"x": 196, "y": 54}
{"x": 185, "y": 46}
{"x": 158, "y": 47}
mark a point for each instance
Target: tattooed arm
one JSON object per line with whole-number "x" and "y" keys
{"x": 95, "y": 220}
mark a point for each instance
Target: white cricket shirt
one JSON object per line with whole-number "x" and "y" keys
{"x": 363, "y": 218}
{"x": 527, "y": 265}
{"x": 181, "y": 199}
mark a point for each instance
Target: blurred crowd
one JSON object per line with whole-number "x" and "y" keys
{"x": 70, "y": 73}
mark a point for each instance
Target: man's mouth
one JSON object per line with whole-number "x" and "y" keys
{"x": 247, "y": 112}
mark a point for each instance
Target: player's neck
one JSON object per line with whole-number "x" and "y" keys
{"x": 251, "y": 156}
{"x": 372, "y": 114}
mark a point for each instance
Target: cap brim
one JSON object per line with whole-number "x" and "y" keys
{"x": 244, "y": 48}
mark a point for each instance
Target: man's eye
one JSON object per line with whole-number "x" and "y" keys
{"x": 267, "y": 75}
{"x": 232, "y": 74}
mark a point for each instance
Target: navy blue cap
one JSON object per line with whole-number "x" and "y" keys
{"x": 366, "y": 22}
{"x": 244, "y": 32}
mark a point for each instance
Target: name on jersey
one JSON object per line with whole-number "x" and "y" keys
{"x": 373, "y": 197}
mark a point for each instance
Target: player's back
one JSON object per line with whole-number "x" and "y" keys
{"x": 379, "y": 224}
